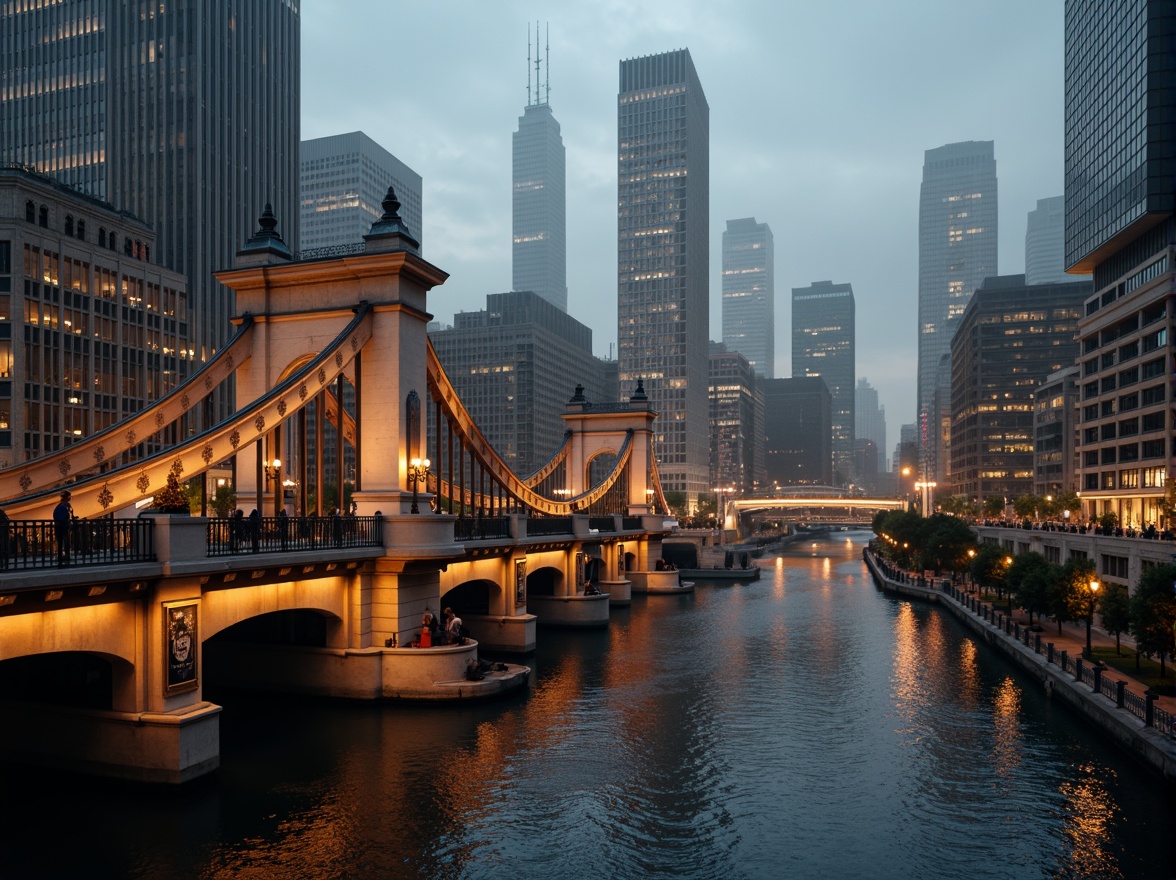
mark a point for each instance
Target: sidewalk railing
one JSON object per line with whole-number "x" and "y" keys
{"x": 269, "y": 534}
{"x": 27, "y": 544}
{"x": 1142, "y": 707}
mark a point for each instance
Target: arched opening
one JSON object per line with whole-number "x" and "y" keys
{"x": 299, "y": 626}
{"x": 544, "y": 581}
{"x": 81, "y": 230}
{"x": 66, "y": 678}
{"x": 43, "y": 217}
{"x": 30, "y": 212}
{"x": 472, "y": 597}
{"x": 101, "y": 236}
{"x": 600, "y": 467}
{"x": 69, "y": 228}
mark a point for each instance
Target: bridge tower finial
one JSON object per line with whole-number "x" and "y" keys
{"x": 390, "y": 233}
{"x": 266, "y": 243}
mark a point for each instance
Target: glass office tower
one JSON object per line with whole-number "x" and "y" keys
{"x": 663, "y": 221}
{"x": 749, "y": 293}
{"x": 185, "y": 114}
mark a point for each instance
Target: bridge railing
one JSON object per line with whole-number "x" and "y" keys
{"x": 481, "y": 528}
{"x": 543, "y": 526}
{"x": 234, "y": 536}
{"x": 30, "y": 544}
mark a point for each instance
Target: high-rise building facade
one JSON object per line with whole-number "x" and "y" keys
{"x": 823, "y": 344}
{"x": 957, "y": 251}
{"x": 663, "y": 263}
{"x": 501, "y": 361}
{"x": 185, "y": 114}
{"x": 736, "y": 422}
{"x": 1010, "y": 338}
{"x": 539, "y": 208}
{"x": 1120, "y": 205}
{"x": 1055, "y": 433}
{"x": 749, "y": 293}
{"x": 342, "y": 183}
{"x": 1045, "y": 243}
{"x": 101, "y": 331}
{"x": 798, "y": 447}
{"x": 869, "y": 419}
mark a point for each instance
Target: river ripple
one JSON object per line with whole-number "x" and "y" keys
{"x": 802, "y": 726}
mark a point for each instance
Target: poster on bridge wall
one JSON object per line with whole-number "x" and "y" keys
{"x": 180, "y": 641}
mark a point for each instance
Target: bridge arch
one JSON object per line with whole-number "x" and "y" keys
{"x": 547, "y": 580}
{"x": 222, "y": 609}
{"x": 476, "y": 596}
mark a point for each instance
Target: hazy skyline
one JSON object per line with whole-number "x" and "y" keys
{"x": 820, "y": 114}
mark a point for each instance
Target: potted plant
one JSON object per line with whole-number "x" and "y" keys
{"x": 172, "y": 498}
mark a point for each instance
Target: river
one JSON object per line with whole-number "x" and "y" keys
{"x": 805, "y": 725}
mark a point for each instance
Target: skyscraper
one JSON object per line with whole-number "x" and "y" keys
{"x": 823, "y": 344}
{"x": 343, "y": 180}
{"x": 1045, "y": 243}
{"x": 1120, "y": 202}
{"x": 749, "y": 293}
{"x": 540, "y": 250}
{"x": 797, "y": 432}
{"x": 663, "y": 220}
{"x": 184, "y": 113}
{"x": 737, "y": 421}
{"x": 869, "y": 419}
{"x": 1010, "y": 338}
{"x": 957, "y": 251}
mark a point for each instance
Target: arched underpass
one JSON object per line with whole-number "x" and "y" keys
{"x": 68, "y": 678}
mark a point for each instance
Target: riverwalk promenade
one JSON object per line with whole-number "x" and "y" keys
{"x": 1142, "y": 723}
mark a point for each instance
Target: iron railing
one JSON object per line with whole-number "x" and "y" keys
{"x": 481, "y": 528}
{"x": 29, "y": 544}
{"x": 542, "y": 526}
{"x": 235, "y": 536}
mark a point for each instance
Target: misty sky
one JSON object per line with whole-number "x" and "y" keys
{"x": 819, "y": 116}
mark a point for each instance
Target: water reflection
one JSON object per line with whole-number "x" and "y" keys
{"x": 802, "y": 725}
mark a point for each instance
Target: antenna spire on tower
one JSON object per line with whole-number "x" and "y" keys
{"x": 529, "y": 64}
{"x": 547, "y": 72}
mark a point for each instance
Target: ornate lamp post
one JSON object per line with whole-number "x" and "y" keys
{"x": 418, "y": 472}
{"x": 1094, "y": 585}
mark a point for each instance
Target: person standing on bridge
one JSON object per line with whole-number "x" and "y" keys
{"x": 62, "y": 524}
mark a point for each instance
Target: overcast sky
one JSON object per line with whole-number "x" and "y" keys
{"x": 819, "y": 116}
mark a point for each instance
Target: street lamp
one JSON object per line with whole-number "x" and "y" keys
{"x": 1094, "y": 585}
{"x": 273, "y": 469}
{"x": 418, "y": 472}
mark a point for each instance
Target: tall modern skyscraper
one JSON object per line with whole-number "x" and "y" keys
{"x": 1120, "y": 226}
{"x": 823, "y": 345}
{"x": 663, "y": 222}
{"x": 540, "y": 249}
{"x": 957, "y": 251}
{"x": 1045, "y": 243}
{"x": 869, "y": 419}
{"x": 185, "y": 114}
{"x": 749, "y": 293}
{"x": 344, "y": 178}
{"x": 797, "y": 432}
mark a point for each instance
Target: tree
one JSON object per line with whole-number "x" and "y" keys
{"x": 224, "y": 501}
{"x": 1167, "y": 505}
{"x": 1069, "y": 595}
{"x": 989, "y": 566}
{"x": 959, "y": 505}
{"x": 1107, "y": 521}
{"x": 1028, "y": 579}
{"x": 1115, "y": 606}
{"x": 1026, "y": 506}
{"x": 994, "y": 507}
{"x": 946, "y": 543}
{"x": 172, "y": 498}
{"x": 1153, "y": 613}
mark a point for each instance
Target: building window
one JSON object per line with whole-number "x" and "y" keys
{"x": 1154, "y": 421}
{"x": 43, "y": 218}
{"x": 1154, "y": 477}
{"x": 1153, "y": 448}
{"x": 81, "y": 230}
{"x": 69, "y": 225}
{"x": 1114, "y": 566}
{"x": 1129, "y": 479}
{"x": 101, "y": 236}
{"x": 1155, "y": 394}
{"x": 30, "y": 211}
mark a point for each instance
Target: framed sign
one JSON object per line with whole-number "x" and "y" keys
{"x": 520, "y": 581}
{"x": 180, "y": 643}
{"x": 621, "y": 561}
{"x": 581, "y": 568}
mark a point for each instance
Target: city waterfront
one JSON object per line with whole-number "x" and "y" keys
{"x": 803, "y": 725}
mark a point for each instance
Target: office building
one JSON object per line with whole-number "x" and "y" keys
{"x": 957, "y": 251}
{"x": 749, "y": 293}
{"x": 869, "y": 420}
{"x": 185, "y": 114}
{"x": 798, "y": 418}
{"x": 515, "y": 365}
{"x": 823, "y": 345}
{"x": 1010, "y": 338}
{"x": 663, "y": 263}
{"x": 736, "y": 422}
{"x": 1045, "y": 243}
{"x": 1120, "y": 202}
{"x": 1055, "y": 434}
{"x": 100, "y": 332}
{"x": 539, "y": 210}
{"x": 343, "y": 180}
